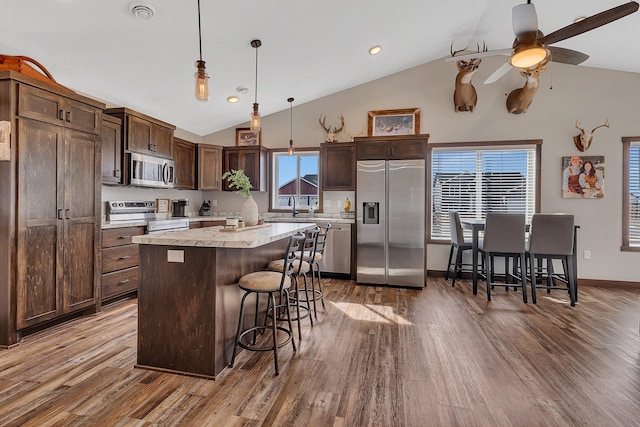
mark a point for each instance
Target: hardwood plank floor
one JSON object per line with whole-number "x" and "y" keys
{"x": 376, "y": 357}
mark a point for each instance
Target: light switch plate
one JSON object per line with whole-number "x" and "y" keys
{"x": 175, "y": 256}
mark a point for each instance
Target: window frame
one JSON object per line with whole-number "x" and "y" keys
{"x": 627, "y": 141}
{"x": 478, "y": 145}
{"x": 272, "y": 171}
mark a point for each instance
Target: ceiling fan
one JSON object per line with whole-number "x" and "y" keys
{"x": 532, "y": 47}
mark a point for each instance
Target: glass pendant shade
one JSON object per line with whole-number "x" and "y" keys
{"x": 202, "y": 82}
{"x": 255, "y": 118}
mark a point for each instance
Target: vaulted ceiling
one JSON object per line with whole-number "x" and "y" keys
{"x": 310, "y": 49}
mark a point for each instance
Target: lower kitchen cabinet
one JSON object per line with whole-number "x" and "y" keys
{"x": 120, "y": 274}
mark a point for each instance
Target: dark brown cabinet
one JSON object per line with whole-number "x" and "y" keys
{"x": 338, "y": 166}
{"x": 184, "y": 157}
{"x": 209, "y": 167}
{"x": 252, "y": 160}
{"x": 391, "y": 148}
{"x": 111, "y": 150}
{"x": 50, "y": 223}
{"x": 120, "y": 274}
{"x": 143, "y": 134}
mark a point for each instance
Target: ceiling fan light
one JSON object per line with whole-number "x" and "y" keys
{"x": 526, "y": 58}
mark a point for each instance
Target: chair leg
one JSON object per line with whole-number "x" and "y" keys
{"x": 297, "y": 308}
{"x": 489, "y": 264}
{"x": 239, "y": 330}
{"x": 572, "y": 282}
{"x": 446, "y": 277}
{"x": 457, "y": 268}
{"x": 288, "y": 300}
{"x": 534, "y": 277}
{"x": 275, "y": 332}
{"x": 523, "y": 277}
{"x": 320, "y": 286}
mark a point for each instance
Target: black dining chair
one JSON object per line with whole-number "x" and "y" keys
{"x": 458, "y": 245}
{"x": 551, "y": 239}
{"x": 504, "y": 236}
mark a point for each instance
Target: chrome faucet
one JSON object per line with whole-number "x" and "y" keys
{"x": 294, "y": 212}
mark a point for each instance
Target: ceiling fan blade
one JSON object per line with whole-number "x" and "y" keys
{"x": 525, "y": 21}
{"x": 504, "y": 69}
{"x": 567, "y": 56}
{"x": 591, "y": 23}
{"x": 506, "y": 52}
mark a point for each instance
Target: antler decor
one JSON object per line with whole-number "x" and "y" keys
{"x": 331, "y": 133}
{"x": 363, "y": 132}
{"x": 584, "y": 139}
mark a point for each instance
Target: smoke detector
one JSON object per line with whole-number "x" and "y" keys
{"x": 142, "y": 10}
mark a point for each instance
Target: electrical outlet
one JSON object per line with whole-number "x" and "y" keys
{"x": 326, "y": 203}
{"x": 339, "y": 204}
{"x": 175, "y": 256}
{"x": 214, "y": 202}
{"x": 587, "y": 255}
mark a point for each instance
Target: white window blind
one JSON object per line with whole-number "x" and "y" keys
{"x": 476, "y": 181}
{"x": 634, "y": 194}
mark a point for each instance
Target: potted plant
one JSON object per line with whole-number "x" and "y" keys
{"x": 241, "y": 182}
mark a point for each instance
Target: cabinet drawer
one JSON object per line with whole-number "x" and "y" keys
{"x": 120, "y": 282}
{"x": 119, "y": 257}
{"x": 120, "y": 236}
{"x": 212, "y": 223}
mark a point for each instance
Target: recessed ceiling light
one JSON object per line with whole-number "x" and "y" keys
{"x": 233, "y": 99}
{"x": 375, "y": 50}
{"x": 142, "y": 10}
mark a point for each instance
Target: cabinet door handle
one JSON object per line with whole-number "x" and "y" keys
{"x": 124, "y": 257}
{"x": 69, "y": 116}
{"x": 116, "y": 173}
{"x": 122, "y": 282}
{"x": 123, "y": 237}
{"x": 61, "y": 114}
{"x": 60, "y": 215}
{"x": 67, "y": 214}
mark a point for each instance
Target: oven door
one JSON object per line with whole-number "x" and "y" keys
{"x": 149, "y": 171}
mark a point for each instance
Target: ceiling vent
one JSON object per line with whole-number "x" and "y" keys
{"x": 142, "y": 10}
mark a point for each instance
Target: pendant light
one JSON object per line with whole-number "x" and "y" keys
{"x": 290, "y": 101}
{"x": 255, "y": 116}
{"x": 202, "y": 78}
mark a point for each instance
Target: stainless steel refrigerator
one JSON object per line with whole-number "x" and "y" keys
{"x": 390, "y": 221}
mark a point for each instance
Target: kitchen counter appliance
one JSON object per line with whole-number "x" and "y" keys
{"x": 390, "y": 222}
{"x": 179, "y": 207}
{"x": 144, "y": 211}
{"x": 149, "y": 171}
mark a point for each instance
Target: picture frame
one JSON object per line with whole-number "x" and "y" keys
{"x": 245, "y": 137}
{"x": 404, "y": 121}
{"x": 583, "y": 177}
{"x": 162, "y": 205}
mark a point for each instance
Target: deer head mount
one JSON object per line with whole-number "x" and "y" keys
{"x": 331, "y": 132}
{"x": 520, "y": 99}
{"x": 584, "y": 139}
{"x": 465, "y": 96}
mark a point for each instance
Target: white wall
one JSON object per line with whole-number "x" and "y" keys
{"x": 591, "y": 95}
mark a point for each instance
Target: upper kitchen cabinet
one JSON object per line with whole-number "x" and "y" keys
{"x": 111, "y": 150}
{"x": 391, "y": 147}
{"x": 50, "y": 221}
{"x": 209, "y": 167}
{"x": 143, "y": 134}
{"x": 252, "y": 160}
{"x": 338, "y": 166}
{"x": 184, "y": 156}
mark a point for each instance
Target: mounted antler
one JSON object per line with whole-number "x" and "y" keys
{"x": 331, "y": 133}
{"x": 465, "y": 96}
{"x": 584, "y": 139}
{"x": 363, "y": 132}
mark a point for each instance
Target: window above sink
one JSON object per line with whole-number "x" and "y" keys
{"x": 295, "y": 180}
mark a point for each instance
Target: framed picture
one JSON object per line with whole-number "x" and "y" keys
{"x": 162, "y": 205}
{"x": 247, "y": 137}
{"x": 394, "y": 122}
{"x": 583, "y": 177}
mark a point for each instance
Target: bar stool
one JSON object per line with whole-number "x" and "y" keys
{"x": 504, "y": 236}
{"x": 270, "y": 283}
{"x": 313, "y": 255}
{"x": 300, "y": 269}
{"x": 552, "y": 238}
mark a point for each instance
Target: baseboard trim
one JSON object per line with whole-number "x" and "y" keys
{"x": 598, "y": 283}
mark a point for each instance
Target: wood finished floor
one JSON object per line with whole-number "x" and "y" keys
{"x": 376, "y": 357}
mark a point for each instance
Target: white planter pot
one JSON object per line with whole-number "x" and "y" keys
{"x": 250, "y": 211}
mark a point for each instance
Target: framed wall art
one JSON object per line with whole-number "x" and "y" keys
{"x": 162, "y": 205}
{"x": 394, "y": 122}
{"x": 583, "y": 177}
{"x": 246, "y": 137}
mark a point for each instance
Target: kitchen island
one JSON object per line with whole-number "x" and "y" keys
{"x": 188, "y": 297}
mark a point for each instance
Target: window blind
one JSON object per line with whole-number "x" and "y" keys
{"x": 634, "y": 194}
{"x": 476, "y": 181}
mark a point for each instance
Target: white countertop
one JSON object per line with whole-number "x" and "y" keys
{"x": 269, "y": 219}
{"x": 212, "y": 237}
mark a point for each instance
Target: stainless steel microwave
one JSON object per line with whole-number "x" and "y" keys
{"x": 149, "y": 171}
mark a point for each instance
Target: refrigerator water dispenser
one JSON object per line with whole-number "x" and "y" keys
{"x": 371, "y": 212}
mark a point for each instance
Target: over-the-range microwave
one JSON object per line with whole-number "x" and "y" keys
{"x": 149, "y": 171}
